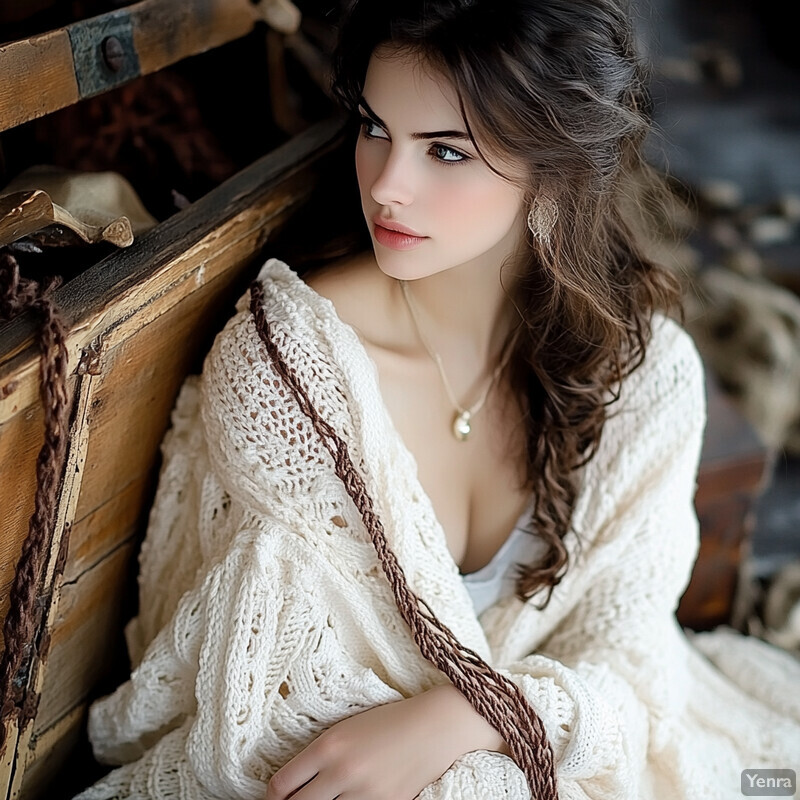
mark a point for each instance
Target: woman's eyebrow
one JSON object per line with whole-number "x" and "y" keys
{"x": 429, "y": 135}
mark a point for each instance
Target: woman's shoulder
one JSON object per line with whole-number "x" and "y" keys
{"x": 671, "y": 361}
{"x": 283, "y": 291}
{"x": 347, "y": 291}
{"x": 669, "y": 335}
{"x": 254, "y": 417}
{"x": 356, "y": 289}
{"x": 669, "y": 383}
{"x": 313, "y": 320}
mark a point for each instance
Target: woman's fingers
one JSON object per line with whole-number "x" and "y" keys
{"x": 288, "y": 782}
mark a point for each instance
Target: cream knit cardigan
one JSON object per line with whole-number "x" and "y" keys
{"x": 265, "y": 617}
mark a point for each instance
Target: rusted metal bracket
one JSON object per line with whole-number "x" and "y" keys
{"x": 103, "y": 52}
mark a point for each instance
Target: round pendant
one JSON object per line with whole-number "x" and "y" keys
{"x": 461, "y": 426}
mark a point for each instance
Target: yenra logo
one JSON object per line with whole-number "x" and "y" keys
{"x": 769, "y": 782}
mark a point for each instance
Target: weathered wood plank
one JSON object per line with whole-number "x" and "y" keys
{"x": 53, "y": 749}
{"x": 166, "y": 32}
{"x": 20, "y": 442}
{"x": 37, "y": 78}
{"x": 85, "y": 629}
{"x": 107, "y": 527}
{"x": 8, "y": 759}
{"x": 50, "y": 581}
{"x": 56, "y": 69}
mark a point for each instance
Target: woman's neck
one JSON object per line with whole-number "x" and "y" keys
{"x": 464, "y": 313}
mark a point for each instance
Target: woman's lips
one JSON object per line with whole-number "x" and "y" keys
{"x": 397, "y": 240}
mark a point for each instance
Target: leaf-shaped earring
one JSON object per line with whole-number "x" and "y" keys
{"x": 542, "y": 217}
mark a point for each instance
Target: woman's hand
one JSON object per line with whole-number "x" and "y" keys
{"x": 391, "y": 752}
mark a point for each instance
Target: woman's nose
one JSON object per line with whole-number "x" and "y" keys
{"x": 393, "y": 184}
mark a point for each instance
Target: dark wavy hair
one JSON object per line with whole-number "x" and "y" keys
{"x": 557, "y": 86}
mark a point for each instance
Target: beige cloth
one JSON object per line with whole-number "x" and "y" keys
{"x": 98, "y": 206}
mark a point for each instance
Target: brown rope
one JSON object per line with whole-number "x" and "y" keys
{"x": 493, "y": 696}
{"x": 24, "y": 615}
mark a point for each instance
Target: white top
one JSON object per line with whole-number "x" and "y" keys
{"x": 265, "y": 618}
{"x": 497, "y": 579}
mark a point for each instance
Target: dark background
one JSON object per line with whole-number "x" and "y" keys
{"x": 726, "y": 84}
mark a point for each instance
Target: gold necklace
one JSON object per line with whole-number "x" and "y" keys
{"x": 462, "y": 419}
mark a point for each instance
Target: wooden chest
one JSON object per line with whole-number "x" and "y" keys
{"x": 138, "y": 322}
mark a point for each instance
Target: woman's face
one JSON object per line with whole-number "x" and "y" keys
{"x": 418, "y": 170}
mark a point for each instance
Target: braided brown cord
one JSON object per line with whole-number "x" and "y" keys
{"x": 20, "y": 627}
{"x": 493, "y": 696}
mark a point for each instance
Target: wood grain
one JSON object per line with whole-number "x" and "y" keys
{"x": 20, "y": 442}
{"x": 53, "y": 750}
{"x": 166, "y": 32}
{"x": 38, "y": 77}
{"x": 85, "y": 630}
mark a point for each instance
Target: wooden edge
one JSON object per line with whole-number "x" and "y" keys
{"x": 54, "y": 565}
{"x": 38, "y": 77}
{"x": 44, "y": 745}
{"x": 166, "y": 32}
{"x": 8, "y": 757}
{"x": 90, "y": 303}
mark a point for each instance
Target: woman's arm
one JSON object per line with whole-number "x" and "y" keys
{"x": 264, "y": 648}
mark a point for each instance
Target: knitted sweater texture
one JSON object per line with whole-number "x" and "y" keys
{"x": 265, "y": 617}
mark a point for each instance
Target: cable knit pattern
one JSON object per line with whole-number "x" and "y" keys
{"x": 265, "y": 616}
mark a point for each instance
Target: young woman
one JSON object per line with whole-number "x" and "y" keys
{"x": 424, "y": 520}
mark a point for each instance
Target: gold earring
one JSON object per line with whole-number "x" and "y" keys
{"x": 542, "y": 217}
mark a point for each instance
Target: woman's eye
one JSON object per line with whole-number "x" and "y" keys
{"x": 440, "y": 153}
{"x": 446, "y": 155}
{"x": 368, "y": 128}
